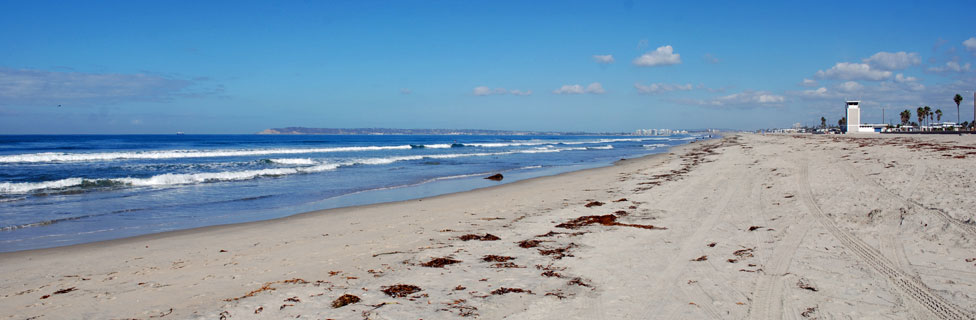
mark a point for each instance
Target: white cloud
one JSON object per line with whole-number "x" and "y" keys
{"x": 893, "y": 61}
{"x": 850, "y": 86}
{"x": 744, "y": 99}
{"x": 901, "y": 89}
{"x": 853, "y": 71}
{"x": 952, "y": 66}
{"x": 661, "y": 57}
{"x": 603, "y": 59}
{"x": 970, "y": 44}
{"x": 405, "y": 91}
{"x": 569, "y": 89}
{"x": 38, "y": 87}
{"x": 819, "y": 92}
{"x": 902, "y": 78}
{"x": 595, "y": 88}
{"x": 809, "y": 83}
{"x": 769, "y": 98}
{"x": 486, "y": 91}
{"x": 660, "y": 87}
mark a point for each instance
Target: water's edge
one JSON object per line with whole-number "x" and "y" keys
{"x": 351, "y": 206}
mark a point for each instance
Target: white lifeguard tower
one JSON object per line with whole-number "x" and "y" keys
{"x": 854, "y": 124}
{"x": 853, "y": 116}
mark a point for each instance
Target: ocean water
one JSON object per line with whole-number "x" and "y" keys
{"x": 62, "y": 190}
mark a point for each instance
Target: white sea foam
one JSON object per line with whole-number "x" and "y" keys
{"x": 25, "y": 187}
{"x": 655, "y": 146}
{"x": 460, "y": 176}
{"x": 177, "y": 154}
{"x": 170, "y": 179}
{"x": 548, "y": 150}
{"x": 192, "y": 178}
{"x": 294, "y": 161}
{"x": 181, "y": 154}
{"x": 549, "y": 142}
{"x": 606, "y": 147}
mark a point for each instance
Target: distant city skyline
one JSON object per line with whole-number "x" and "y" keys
{"x": 242, "y": 67}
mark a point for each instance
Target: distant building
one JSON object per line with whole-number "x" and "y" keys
{"x": 854, "y": 124}
{"x": 658, "y": 132}
{"x": 853, "y": 116}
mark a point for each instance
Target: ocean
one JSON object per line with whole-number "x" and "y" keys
{"x": 58, "y": 190}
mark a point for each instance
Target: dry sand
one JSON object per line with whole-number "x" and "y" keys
{"x": 748, "y": 226}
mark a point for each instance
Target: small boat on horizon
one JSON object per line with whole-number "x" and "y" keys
{"x": 179, "y": 133}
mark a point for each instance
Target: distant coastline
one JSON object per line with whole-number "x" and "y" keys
{"x": 388, "y": 131}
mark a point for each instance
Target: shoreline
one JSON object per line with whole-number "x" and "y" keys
{"x": 177, "y": 269}
{"x": 98, "y": 209}
{"x": 201, "y": 230}
{"x": 747, "y": 226}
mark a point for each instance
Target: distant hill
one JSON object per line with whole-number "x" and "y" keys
{"x": 387, "y": 131}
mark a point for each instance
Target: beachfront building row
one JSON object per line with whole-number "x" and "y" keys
{"x": 658, "y": 132}
{"x": 854, "y": 125}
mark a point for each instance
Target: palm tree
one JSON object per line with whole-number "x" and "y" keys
{"x": 842, "y": 122}
{"x": 920, "y": 113}
{"x": 928, "y": 113}
{"x": 938, "y": 115}
{"x": 905, "y": 117}
{"x": 823, "y": 122}
{"x": 957, "y": 99}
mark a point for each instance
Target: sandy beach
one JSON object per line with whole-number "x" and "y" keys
{"x": 747, "y": 226}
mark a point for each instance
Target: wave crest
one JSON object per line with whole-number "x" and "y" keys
{"x": 170, "y": 179}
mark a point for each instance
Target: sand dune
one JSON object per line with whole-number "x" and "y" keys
{"x": 748, "y": 226}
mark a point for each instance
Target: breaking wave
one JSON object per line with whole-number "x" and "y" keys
{"x": 45, "y": 157}
{"x": 655, "y": 146}
{"x": 299, "y": 161}
{"x": 177, "y": 154}
{"x": 171, "y": 179}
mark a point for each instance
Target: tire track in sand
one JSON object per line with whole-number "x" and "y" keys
{"x": 888, "y": 243}
{"x": 965, "y": 227}
{"x": 699, "y": 291}
{"x": 767, "y": 300}
{"x": 691, "y": 247}
{"x": 908, "y": 285}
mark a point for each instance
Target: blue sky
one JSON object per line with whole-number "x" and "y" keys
{"x": 241, "y": 67}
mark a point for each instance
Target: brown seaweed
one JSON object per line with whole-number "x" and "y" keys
{"x": 439, "y": 262}
{"x": 593, "y": 204}
{"x": 486, "y": 237}
{"x": 606, "y": 220}
{"x": 496, "y": 258}
{"x": 504, "y": 290}
{"x": 344, "y": 300}
{"x": 401, "y": 290}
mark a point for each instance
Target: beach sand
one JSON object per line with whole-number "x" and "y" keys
{"x": 748, "y": 226}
